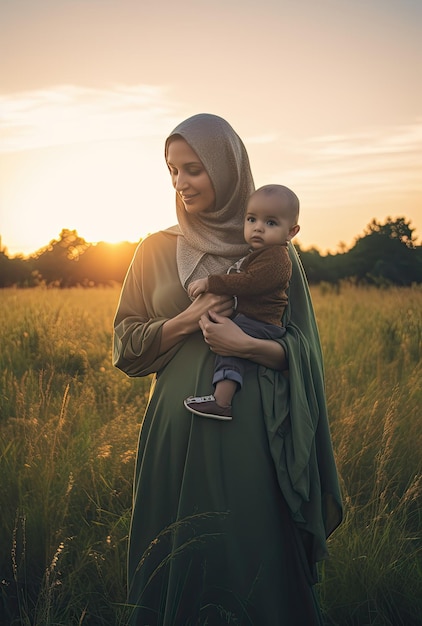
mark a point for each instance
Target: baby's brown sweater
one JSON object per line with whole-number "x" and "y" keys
{"x": 260, "y": 284}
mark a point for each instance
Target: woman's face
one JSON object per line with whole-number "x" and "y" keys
{"x": 189, "y": 177}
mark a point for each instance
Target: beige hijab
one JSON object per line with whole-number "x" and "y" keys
{"x": 209, "y": 243}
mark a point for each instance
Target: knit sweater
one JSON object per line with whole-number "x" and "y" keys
{"x": 259, "y": 284}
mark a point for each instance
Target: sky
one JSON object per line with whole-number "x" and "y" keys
{"x": 326, "y": 95}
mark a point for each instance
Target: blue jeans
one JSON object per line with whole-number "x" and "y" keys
{"x": 233, "y": 368}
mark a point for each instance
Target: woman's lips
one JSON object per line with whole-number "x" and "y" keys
{"x": 188, "y": 199}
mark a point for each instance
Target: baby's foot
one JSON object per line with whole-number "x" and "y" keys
{"x": 206, "y": 406}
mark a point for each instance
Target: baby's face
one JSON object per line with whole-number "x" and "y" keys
{"x": 267, "y": 221}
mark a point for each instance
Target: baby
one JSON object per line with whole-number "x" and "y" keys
{"x": 258, "y": 283}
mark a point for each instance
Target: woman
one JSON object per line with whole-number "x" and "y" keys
{"x": 228, "y": 519}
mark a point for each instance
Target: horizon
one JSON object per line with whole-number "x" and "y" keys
{"x": 297, "y": 241}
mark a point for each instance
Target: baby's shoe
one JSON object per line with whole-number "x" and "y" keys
{"x": 206, "y": 406}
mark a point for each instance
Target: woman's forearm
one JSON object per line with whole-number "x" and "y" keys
{"x": 227, "y": 339}
{"x": 176, "y": 329}
{"x": 265, "y": 352}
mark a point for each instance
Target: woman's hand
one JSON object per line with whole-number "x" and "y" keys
{"x": 225, "y": 338}
{"x": 222, "y": 335}
{"x": 187, "y": 322}
{"x": 222, "y": 305}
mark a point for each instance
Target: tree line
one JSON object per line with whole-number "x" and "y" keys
{"x": 386, "y": 254}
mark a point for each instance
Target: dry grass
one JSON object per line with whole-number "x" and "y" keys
{"x": 69, "y": 425}
{"x": 372, "y": 344}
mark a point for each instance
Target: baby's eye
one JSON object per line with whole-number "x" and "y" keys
{"x": 271, "y": 223}
{"x": 250, "y": 219}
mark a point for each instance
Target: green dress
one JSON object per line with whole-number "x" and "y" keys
{"x": 229, "y": 518}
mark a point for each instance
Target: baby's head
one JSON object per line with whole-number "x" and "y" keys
{"x": 271, "y": 217}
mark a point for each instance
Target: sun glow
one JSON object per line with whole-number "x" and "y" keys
{"x": 107, "y": 191}
{"x": 89, "y": 160}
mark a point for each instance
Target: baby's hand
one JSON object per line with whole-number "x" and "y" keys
{"x": 197, "y": 287}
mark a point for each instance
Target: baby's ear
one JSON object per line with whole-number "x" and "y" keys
{"x": 293, "y": 232}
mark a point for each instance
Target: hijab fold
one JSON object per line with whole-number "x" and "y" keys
{"x": 210, "y": 242}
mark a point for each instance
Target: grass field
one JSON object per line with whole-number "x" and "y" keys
{"x": 68, "y": 432}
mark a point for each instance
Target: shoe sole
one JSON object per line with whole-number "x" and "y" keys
{"x": 211, "y": 415}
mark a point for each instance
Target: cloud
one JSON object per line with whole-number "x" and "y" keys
{"x": 386, "y": 157}
{"x": 379, "y": 141}
{"x": 68, "y": 114}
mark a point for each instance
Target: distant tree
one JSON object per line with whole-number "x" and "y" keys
{"x": 58, "y": 261}
{"x": 386, "y": 254}
{"x": 393, "y": 229}
{"x": 312, "y": 261}
{"x": 16, "y": 271}
{"x": 319, "y": 268}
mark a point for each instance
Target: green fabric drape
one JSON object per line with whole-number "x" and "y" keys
{"x": 295, "y": 414}
{"x": 223, "y": 512}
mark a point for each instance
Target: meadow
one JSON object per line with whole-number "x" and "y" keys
{"x": 69, "y": 425}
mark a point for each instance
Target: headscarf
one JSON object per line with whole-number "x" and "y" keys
{"x": 212, "y": 241}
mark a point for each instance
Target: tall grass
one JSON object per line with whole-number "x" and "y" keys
{"x": 69, "y": 423}
{"x": 68, "y": 431}
{"x": 372, "y": 341}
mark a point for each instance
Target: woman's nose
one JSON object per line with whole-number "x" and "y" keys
{"x": 180, "y": 182}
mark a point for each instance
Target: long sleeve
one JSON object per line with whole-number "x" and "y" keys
{"x": 263, "y": 271}
{"x": 143, "y": 307}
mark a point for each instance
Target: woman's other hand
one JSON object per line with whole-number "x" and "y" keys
{"x": 225, "y": 338}
{"x": 222, "y": 335}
